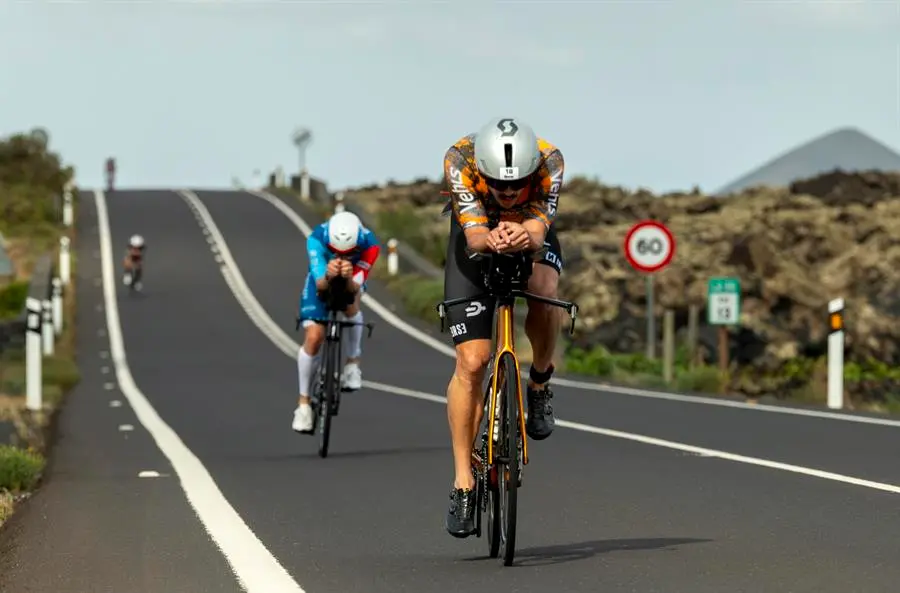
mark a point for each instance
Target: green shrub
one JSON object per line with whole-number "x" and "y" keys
{"x": 32, "y": 178}
{"x": 641, "y": 379}
{"x": 12, "y": 299}
{"x": 870, "y": 370}
{"x": 703, "y": 379}
{"x": 421, "y": 296}
{"x": 597, "y": 362}
{"x": 20, "y": 469}
{"x": 638, "y": 364}
{"x": 406, "y": 225}
{"x": 61, "y": 372}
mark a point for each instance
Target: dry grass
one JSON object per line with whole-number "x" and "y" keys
{"x": 7, "y": 503}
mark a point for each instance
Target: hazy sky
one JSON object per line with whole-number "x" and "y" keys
{"x": 662, "y": 94}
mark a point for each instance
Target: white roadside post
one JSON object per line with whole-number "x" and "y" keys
{"x": 649, "y": 247}
{"x": 47, "y": 336}
{"x": 304, "y": 185}
{"x": 392, "y": 262}
{"x": 339, "y": 202}
{"x": 836, "y": 354}
{"x": 33, "y": 374}
{"x": 64, "y": 260}
{"x": 67, "y": 206}
{"x": 57, "y": 306}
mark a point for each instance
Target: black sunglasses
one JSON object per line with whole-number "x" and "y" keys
{"x": 503, "y": 185}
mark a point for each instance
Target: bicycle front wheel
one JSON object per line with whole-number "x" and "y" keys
{"x": 490, "y": 488}
{"x": 508, "y": 463}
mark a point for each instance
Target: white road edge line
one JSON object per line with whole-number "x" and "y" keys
{"x": 416, "y": 334}
{"x": 255, "y": 569}
{"x": 289, "y": 347}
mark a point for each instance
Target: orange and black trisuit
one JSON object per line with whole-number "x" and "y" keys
{"x": 472, "y": 204}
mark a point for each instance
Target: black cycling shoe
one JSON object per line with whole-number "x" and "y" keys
{"x": 461, "y": 514}
{"x": 540, "y": 423}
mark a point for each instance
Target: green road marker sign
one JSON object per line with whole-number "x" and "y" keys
{"x": 723, "y": 301}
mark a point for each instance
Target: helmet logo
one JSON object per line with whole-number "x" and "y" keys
{"x": 509, "y": 173}
{"x": 508, "y": 127}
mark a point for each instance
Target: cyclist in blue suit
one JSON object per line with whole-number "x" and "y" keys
{"x": 341, "y": 254}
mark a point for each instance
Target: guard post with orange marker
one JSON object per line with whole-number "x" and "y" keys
{"x": 392, "y": 260}
{"x": 836, "y": 354}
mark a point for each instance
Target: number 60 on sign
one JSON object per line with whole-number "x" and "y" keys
{"x": 723, "y": 301}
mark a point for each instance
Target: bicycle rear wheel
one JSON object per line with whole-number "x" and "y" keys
{"x": 136, "y": 276}
{"x": 508, "y": 470}
{"x": 327, "y": 402}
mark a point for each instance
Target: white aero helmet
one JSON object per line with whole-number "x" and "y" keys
{"x": 136, "y": 241}
{"x": 506, "y": 151}
{"x": 343, "y": 231}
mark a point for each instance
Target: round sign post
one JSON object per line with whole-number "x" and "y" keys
{"x": 649, "y": 247}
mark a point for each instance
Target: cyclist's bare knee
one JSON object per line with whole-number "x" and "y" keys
{"x": 544, "y": 281}
{"x": 314, "y": 335}
{"x": 471, "y": 360}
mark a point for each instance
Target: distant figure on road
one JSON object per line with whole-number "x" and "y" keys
{"x": 110, "y": 173}
{"x": 134, "y": 262}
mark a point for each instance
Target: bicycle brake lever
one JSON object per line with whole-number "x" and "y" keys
{"x": 441, "y": 312}
{"x": 573, "y": 313}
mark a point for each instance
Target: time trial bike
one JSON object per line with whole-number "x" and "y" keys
{"x": 501, "y": 449}
{"x": 325, "y": 391}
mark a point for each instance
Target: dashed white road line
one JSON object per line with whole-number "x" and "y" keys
{"x": 289, "y": 347}
{"x": 255, "y": 568}
{"x": 438, "y": 346}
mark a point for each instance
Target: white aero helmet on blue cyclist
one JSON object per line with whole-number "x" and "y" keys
{"x": 506, "y": 154}
{"x": 343, "y": 232}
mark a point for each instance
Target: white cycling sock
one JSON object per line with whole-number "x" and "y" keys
{"x": 305, "y": 364}
{"x": 353, "y": 343}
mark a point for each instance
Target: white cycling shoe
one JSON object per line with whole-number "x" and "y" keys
{"x": 303, "y": 418}
{"x": 351, "y": 377}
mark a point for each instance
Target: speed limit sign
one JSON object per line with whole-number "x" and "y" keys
{"x": 649, "y": 246}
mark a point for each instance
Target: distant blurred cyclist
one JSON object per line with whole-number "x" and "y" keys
{"x": 134, "y": 262}
{"x": 110, "y": 173}
{"x": 341, "y": 252}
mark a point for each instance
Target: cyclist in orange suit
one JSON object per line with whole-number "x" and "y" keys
{"x": 504, "y": 186}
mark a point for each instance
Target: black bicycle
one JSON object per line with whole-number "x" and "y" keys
{"x": 325, "y": 392}
{"x": 137, "y": 274}
{"x": 498, "y": 458}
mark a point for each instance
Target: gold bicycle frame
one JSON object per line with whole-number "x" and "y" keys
{"x": 505, "y": 344}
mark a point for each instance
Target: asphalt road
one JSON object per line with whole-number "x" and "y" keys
{"x": 597, "y": 512}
